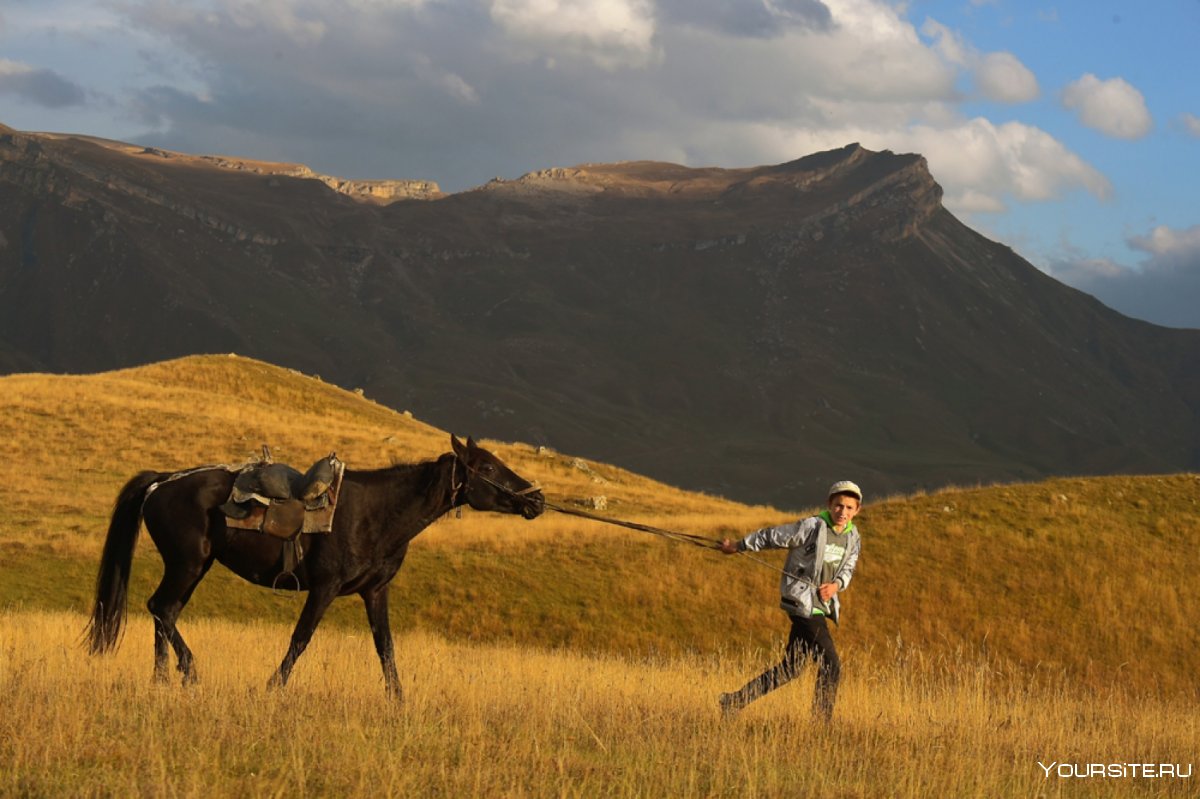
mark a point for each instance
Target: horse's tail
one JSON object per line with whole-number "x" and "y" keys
{"x": 112, "y": 582}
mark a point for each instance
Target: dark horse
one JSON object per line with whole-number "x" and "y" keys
{"x": 378, "y": 513}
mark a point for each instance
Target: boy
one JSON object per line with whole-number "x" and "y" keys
{"x": 822, "y": 553}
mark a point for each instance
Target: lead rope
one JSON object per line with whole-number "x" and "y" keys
{"x": 673, "y": 535}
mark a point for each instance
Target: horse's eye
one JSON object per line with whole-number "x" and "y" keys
{"x": 487, "y": 468}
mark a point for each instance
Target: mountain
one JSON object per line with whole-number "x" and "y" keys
{"x": 750, "y": 332}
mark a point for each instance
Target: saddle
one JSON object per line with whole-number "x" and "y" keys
{"x": 283, "y": 502}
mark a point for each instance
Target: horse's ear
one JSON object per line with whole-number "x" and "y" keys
{"x": 471, "y": 443}
{"x": 459, "y": 448}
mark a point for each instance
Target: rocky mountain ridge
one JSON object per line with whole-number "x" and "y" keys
{"x": 374, "y": 190}
{"x": 749, "y": 332}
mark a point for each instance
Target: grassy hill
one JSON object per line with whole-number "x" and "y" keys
{"x": 1086, "y": 579}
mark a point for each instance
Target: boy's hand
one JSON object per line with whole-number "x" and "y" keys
{"x": 729, "y": 547}
{"x": 827, "y": 590}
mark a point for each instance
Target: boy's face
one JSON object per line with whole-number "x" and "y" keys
{"x": 842, "y": 508}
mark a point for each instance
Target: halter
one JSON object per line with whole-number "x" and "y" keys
{"x": 464, "y": 486}
{"x": 458, "y": 489}
{"x": 475, "y": 473}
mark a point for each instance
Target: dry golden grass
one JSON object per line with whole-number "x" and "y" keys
{"x": 507, "y": 721}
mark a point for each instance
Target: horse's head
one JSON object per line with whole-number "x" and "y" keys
{"x": 490, "y": 485}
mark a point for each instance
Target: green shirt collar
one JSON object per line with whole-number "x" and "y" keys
{"x": 829, "y": 521}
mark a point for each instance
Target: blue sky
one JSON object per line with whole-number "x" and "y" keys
{"x": 1067, "y": 130}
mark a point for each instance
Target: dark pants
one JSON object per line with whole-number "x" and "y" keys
{"x": 808, "y": 640}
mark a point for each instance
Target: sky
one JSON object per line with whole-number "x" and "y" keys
{"x": 1067, "y": 130}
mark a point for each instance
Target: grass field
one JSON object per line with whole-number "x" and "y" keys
{"x": 487, "y": 720}
{"x": 988, "y": 627}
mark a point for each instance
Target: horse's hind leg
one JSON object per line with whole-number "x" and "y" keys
{"x": 165, "y": 605}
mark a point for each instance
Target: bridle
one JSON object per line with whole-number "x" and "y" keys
{"x": 459, "y": 489}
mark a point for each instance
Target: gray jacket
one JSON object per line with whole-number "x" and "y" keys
{"x": 805, "y": 542}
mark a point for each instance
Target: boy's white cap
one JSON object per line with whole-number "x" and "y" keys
{"x": 845, "y": 487}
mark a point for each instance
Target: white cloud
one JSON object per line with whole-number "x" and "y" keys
{"x": 870, "y": 54}
{"x": 1163, "y": 288}
{"x": 973, "y": 201}
{"x": 1112, "y": 106}
{"x": 1084, "y": 272}
{"x": 613, "y": 33}
{"x": 999, "y": 76}
{"x": 982, "y": 165}
{"x": 383, "y": 5}
{"x": 1191, "y": 123}
{"x": 10, "y": 68}
{"x": 978, "y": 159}
{"x": 41, "y": 87}
{"x": 1003, "y": 78}
{"x": 1170, "y": 249}
{"x": 948, "y": 43}
{"x": 751, "y": 18}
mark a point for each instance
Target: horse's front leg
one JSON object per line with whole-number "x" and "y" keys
{"x": 319, "y": 599}
{"x": 376, "y": 601}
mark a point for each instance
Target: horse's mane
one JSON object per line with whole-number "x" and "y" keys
{"x": 428, "y": 475}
